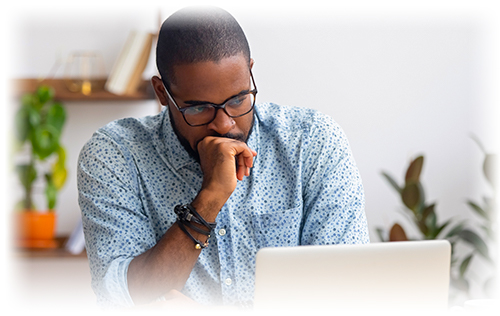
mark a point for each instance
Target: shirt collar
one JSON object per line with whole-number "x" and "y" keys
{"x": 177, "y": 155}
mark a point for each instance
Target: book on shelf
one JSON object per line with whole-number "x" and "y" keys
{"x": 76, "y": 242}
{"x": 126, "y": 74}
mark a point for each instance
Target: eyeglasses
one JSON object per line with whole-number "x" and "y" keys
{"x": 204, "y": 113}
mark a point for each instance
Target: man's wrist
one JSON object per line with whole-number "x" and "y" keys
{"x": 208, "y": 204}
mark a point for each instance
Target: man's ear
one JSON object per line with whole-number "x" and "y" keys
{"x": 159, "y": 89}
{"x": 251, "y": 63}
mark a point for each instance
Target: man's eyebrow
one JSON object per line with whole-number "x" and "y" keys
{"x": 196, "y": 102}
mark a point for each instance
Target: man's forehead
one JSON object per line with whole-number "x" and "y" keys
{"x": 203, "y": 81}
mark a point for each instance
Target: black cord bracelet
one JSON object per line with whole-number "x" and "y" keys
{"x": 185, "y": 215}
{"x": 196, "y": 229}
{"x": 188, "y": 213}
{"x": 208, "y": 225}
{"x": 197, "y": 244}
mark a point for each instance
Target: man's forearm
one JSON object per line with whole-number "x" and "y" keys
{"x": 168, "y": 264}
{"x": 162, "y": 268}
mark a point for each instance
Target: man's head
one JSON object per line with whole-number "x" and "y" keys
{"x": 203, "y": 56}
{"x": 198, "y": 34}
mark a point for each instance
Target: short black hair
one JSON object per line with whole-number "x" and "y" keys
{"x": 198, "y": 34}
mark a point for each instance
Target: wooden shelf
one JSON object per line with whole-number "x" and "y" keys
{"x": 57, "y": 252}
{"x": 62, "y": 93}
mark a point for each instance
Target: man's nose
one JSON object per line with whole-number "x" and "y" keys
{"x": 222, "y": 123}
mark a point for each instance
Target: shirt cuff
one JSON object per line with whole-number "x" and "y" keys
{"x": 115, "y": 286}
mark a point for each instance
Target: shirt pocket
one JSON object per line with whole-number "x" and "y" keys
{"x": 277, "y": 229}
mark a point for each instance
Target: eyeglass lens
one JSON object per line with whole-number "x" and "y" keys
{"x": 205, "y": 113}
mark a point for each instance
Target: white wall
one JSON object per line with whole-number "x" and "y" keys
{"x": 400, "y": 82}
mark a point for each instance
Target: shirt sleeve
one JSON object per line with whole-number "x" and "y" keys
{"x": 333, "y": 191}
{"x": 115, "y": 226}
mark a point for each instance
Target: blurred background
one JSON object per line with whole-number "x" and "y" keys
{"x": 402, "y": 81}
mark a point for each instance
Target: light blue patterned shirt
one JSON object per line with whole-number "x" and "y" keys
{"x": 304, "y": 189}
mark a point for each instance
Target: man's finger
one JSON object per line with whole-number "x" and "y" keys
{"x": 242, "y": 168}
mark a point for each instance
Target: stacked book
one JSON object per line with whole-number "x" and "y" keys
{"x": 126, "y": 74}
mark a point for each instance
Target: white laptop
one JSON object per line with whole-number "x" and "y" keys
{"x": 408, "y": 276}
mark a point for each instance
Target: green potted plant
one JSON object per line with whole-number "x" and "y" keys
{"x": 40, "y": 158}
{"x": 424, "y": 219}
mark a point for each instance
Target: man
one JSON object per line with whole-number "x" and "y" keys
{"x": 183, "y": 200}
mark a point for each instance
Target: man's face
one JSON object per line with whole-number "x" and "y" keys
{"x": 211, "y": 82}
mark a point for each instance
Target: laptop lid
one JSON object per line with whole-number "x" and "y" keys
{"x": 410, "y": 275}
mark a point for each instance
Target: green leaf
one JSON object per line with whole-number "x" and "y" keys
{"x": 411, "y": 196}
{"x": 61, "y": 157}
{"x": 27, "y": 174}
{"x": 440, "y": 228}
{"x": 464, "y": 265}
{"x": 427, "y": 211}
{"x": 414, "y": 170}
{"x": 490, "y": 169}
{"x": 50, "y": 192}
{"x": 431, "y": 223}
{"x": 45, "y": 141}
{"x": 476, "y": 241}
{"x": 34, "y": 118}
{"x": 56, "y": 116}
{"x": 421, "y": 216}
{"x": 44, "y": 94}
{"x": 392, "y": 182}
{"x": 28, "y": 100}
{"x": 421, "y": 204}
{"x": 455, "y": 230}
{"x": 422, "y": 226}
{"x": 488, "y": 231}
{"x": 22, "y": 125}
{"x": 478, "y": 210}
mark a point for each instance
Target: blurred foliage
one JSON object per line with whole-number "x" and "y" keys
{"x": 424, "y": 218}
{"x": 486, "y": 211}
{"x": 38, "y": 127}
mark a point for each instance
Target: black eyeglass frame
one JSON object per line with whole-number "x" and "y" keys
{"x": 217, "y": 106}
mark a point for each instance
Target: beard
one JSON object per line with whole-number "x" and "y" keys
{"x": 193, "y": 152}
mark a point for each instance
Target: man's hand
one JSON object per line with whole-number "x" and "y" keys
{"x": 223, "y": 162}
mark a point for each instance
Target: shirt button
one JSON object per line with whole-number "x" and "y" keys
{"x": 228, "y": 281}
{"x": 222, "y": 232}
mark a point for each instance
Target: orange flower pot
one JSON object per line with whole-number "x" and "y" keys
{"x": 35, "y": 229}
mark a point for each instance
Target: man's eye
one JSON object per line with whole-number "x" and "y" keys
{"x": 194, "y": 110}
{"x": 236, "y": 101}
